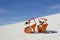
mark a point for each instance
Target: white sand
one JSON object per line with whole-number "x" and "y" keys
{"x": 16, "y": 31}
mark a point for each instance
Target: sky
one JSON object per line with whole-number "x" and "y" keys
{"x": 13, "y": 11}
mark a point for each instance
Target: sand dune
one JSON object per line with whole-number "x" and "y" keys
{"x": 16, "y": 31}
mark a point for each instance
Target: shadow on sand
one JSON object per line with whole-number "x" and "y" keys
{"x": 47, "y": 32}
{"x": 51, "y": 31}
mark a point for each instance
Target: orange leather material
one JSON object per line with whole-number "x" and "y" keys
{"x": 33, "y": 27}
{"x": 39, "y": 29}
{"x": 27, "y": 29}
{"x": 44, "y": 26}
